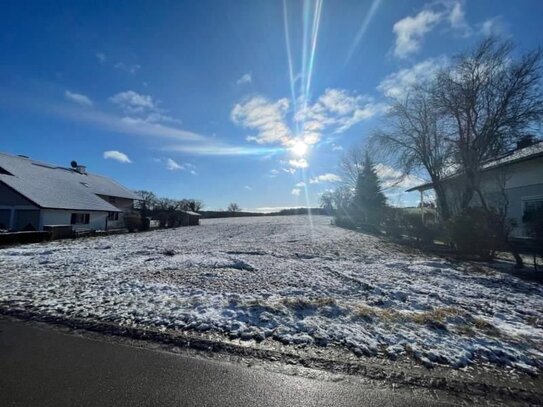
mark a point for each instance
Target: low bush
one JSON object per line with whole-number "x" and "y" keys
{"x": 145, "y": 223}
{"x": 477, "y": 232}
{"x": 534, "y": 225}
{"x": 392, "y": 223}
{"x": 132, "y": 222}
{"x": 422, "y": 231}
{"x": 398, "y": 223}
{"x": 345, "y": 221}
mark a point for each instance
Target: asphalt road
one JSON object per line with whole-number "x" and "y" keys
{"x": 44, "y": 367}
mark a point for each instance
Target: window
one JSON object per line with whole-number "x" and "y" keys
{"x": 113, "y": 216}
{"x": 531, "y": 208}
{"x": 80, "y": 218}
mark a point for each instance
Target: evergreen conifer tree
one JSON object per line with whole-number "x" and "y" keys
{"x": 369, "y": 200}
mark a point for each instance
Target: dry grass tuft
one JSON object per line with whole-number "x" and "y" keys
{"x": 300, "y": 303}
{"x": 437, "y": 315}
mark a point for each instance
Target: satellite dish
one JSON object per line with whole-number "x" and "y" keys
{"x": 74, "y": 164}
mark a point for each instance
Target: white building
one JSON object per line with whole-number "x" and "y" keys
{"x": 35, "y": 194}
{"x": 513, "y": 180}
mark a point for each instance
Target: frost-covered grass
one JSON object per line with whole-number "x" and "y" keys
{"x": 281, "y": 278}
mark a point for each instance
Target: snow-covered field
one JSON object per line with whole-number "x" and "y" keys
{"x": 285, "y": 279}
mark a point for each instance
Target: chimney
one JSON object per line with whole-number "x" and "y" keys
{"x": 78, "y": 168}
{"x": 525, "y": 141}
{"x": 81, "y": 169}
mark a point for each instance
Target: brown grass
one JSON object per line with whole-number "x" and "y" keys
{"x": 297, "y": 303}
{"x": 437, "y": 315}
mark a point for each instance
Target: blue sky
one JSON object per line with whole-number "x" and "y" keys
{"x": 250, "y": 101}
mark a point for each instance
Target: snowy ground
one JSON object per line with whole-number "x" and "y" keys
{"x": 281, "y": 278}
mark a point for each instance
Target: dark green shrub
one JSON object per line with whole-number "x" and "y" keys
{"x": 534, "y": 223}
{"x": 393, "y": 223}
{"x": 132, "y": 222}
{"x": 345, "y": 221}
{"x": 145, "y": 223}
{"x": 422, "y": 231}
{"x": 477, "y": 232}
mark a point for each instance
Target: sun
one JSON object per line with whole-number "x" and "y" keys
{"x": 299, "y": 148}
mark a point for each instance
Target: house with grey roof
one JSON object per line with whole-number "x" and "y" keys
{"x": 34, "y": 194}
{"x": 513, "y": 181}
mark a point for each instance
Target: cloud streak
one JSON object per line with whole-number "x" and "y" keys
{"x": 244, "y": 79}
{"x": 78, "y": 98}
{"x": 328, "y": 177}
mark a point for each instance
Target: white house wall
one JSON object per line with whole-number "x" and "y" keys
{"x": 97, "y": 220}
{"x": 520, "y": 181}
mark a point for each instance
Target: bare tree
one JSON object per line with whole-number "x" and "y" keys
{"x": 327, "y": 201}
{"x": 146, "y": 203}
{"x": 233, "y": 208}
{"x": 491, "y": 100}
{"x": 415, "y": 138}
{"x": 193, "y": 205}
{"x": 351, "y": 164}
{"x": 343, "y": 199}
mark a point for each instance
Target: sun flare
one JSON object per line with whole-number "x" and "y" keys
{"x": 299, "y": 148}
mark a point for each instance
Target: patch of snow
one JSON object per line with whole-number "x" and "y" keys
{"x": 286, "y": 279}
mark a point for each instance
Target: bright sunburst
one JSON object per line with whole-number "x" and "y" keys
{"x": 299, "y": 148}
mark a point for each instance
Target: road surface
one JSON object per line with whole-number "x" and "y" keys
{"x": 41, "y": 366}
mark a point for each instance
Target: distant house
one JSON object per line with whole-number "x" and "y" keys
{"x": 190, "y": 218}
{"x": 34, "y": 194}
{"x": 513, "y": 180}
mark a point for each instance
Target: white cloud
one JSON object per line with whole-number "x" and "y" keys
{"x": 140, "y": 108}
{"x": 130, "y": 68}
{"x": 300, "y": 185}
{"x": 267, "y": 118}
{"x": 121, "y": 124}
{"x": 133, "y": 102}
{"x": 212, "y": 148}
{"x": 246, "y": 78}
{"x": 411, "y": 30}
{"x": 248, "y": 188}
{"x": 273, "y": 173}
{"x": 78, "y": 98}
{"x": 117, "y": 156}
{"x": 335, "y": 111}
{"x": 173, "y": 166}
{"x": 295, "y": 191}
{"x": 300, "y": 163}
{"x": 397, "y": 84}
{"x": 336, "y": 147}
{"x": 492, "y": 26}
{"x": 328, "y": 177}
